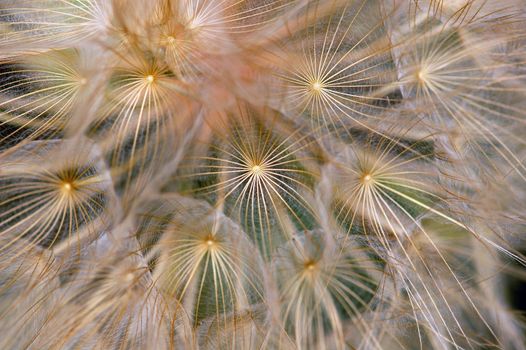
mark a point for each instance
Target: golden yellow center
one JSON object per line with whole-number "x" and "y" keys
{"x": 317, "y": 86}
{"x": 256, "y": 169}
{"x": 422, "y": 75}
{"x": 150, "y": 78}
{"x": 129, "y": 277}
{"x": 310, "y": 265}
{"x": 210, "y": 241}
